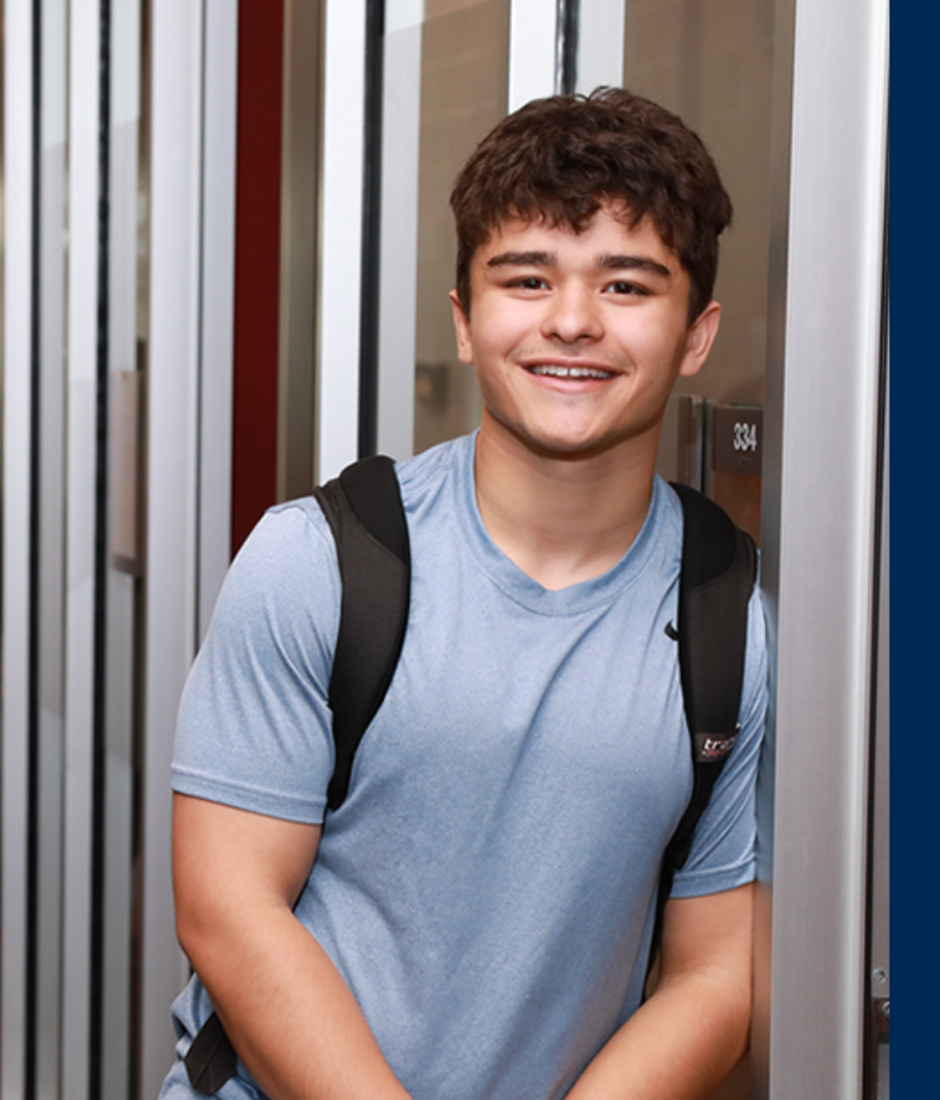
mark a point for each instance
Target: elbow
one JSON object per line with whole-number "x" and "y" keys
{"x": 724, "y": 1004}
{"x": 192, "y": 930}
{"x": 733, "y": 1005}
{"x": 214, "y": 928}
{"x": 739, "y": 1030}
{"x": 206, "y": 923}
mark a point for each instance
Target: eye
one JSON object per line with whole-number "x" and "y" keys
{"x": 621, "y": 286}
{"x": 529, "y": 282}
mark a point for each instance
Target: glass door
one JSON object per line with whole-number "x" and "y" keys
{"x": 790, "y": 98}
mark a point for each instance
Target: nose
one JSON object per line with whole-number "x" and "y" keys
{"x": 573, "y": 314}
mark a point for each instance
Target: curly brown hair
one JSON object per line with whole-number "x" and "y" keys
{"x": 559, "y": 159}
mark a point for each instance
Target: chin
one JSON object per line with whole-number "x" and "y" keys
{"x": 568, "y": 446}
{"x": 554, "y": 440}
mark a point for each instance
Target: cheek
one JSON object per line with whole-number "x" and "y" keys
{"x": 495, "y": 379}
{"x": 489, "y": 377}
{"x": 501, "y": 327}
{"x": 659, "y": 347}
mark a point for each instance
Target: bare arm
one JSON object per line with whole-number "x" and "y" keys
{"x": 286, "y": 1008}
{"x": 684, "y": 1041}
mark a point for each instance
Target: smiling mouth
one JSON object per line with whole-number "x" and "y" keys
{"x": 553, "y": 370}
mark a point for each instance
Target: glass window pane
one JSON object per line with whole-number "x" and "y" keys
{"x": 464, "y": 87}
{"x": 712, "y": 63}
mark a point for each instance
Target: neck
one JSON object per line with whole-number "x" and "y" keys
{"x": 562, "y": 518}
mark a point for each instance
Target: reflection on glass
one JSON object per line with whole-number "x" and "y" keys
{"x": 712, "y": 65}
{"x": 464, "y": 87}
{"x": 116, "y": 1074}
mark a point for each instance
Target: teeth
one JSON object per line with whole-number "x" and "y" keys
{"x": 556, "y": 371}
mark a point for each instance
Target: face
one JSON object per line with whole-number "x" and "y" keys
{"x": 577, "y": 338}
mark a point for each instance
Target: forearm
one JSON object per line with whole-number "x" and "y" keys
{"x": 288, "y": 1012}
{"x": 680, "y": 1045}
{"x": 686, "y": 1039}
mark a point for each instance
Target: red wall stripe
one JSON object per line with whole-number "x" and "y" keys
{"x": 257, "y": 263}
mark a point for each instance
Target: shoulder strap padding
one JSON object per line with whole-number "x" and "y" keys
{"x": 719, "y": 568}
{"x": 719, "y": 564}
{"x": 364, "y": 510}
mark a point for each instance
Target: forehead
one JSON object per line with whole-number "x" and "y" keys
{"x": 609, "y": 233}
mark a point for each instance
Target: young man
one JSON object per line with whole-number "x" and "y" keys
{"x": 474, "y": 921}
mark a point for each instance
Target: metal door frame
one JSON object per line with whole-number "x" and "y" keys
{"x": 824, "y": 376}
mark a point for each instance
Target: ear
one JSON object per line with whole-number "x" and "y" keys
{"x": 699, "y": 340}
{"x": 462, "y": 329}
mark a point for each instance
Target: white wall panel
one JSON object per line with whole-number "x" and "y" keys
{"x": 337, "y": 442}
{"x": 175, "y": 234}
{"x": 16, "y": 367}
{"x": 600, "y": 44}
{"x": 220, "y": 82}
{"x": 531, "y": 51}
{"x": 401, "y": 123}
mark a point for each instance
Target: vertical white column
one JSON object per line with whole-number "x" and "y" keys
{"x": 532, "y": 29}
{"x": 820, "y": 487}
{"x": 218, "y": 301}
{"x": 17, "y": 312}
{"x": 600, "y": 44}
{"x": 84, "y": 47}
{"x": 175, "y": 234}
{"x": 341, "y": 237}
{"x": 401, "y": 124}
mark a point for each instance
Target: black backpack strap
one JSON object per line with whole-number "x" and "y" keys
{"x": 364, "y": 510}
{"x": 210, "y": 1060}
{"x": 719, "y": 568}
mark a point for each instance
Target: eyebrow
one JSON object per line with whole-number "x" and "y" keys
{"x": 607, "y": 262}
{"x": 617, "y": 262}
{"x": 523, "y": 259}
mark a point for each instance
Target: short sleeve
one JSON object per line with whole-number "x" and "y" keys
{"x": 254, "y": 724}
{"x": 722, "y": 855}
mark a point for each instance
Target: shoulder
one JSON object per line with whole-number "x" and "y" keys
{"x": 254, "y": 723}
{"x": 425, "y": 476}
{"x": 289, "y": 549}
{"x": 283, "y": 588}
{"x": 296, "y": 526}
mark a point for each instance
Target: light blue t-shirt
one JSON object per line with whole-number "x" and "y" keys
{"x": 486, "y": 888}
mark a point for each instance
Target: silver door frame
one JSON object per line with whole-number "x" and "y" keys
{"x": 18, "y": 172}
{"x": 821, "y": 465}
